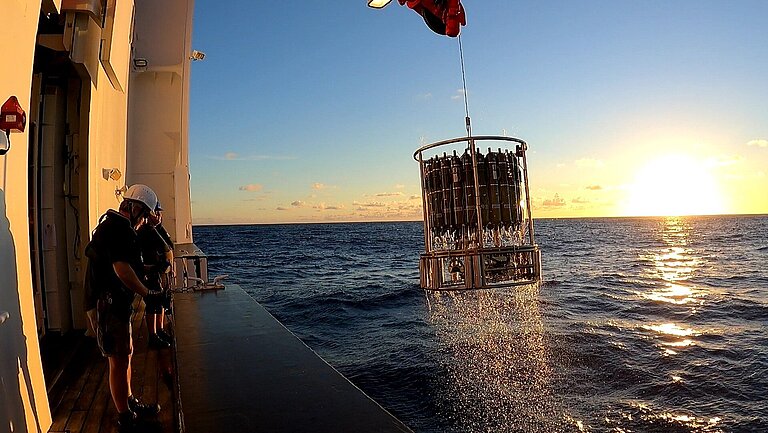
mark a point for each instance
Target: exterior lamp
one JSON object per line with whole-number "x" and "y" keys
{"x": 197, "y": 55}
{"x": 111, "y": 173}
{"x": 140, "y": 64}
{"x": 378, "y": 4}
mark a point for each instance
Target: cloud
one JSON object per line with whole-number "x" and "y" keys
{"x": 403, "y": 210}
{"x": 579, "y": 200}
{"x": 323, "y": 206}
{"x": 252, "y": 187}
{"x": 298, "y": 203}
{"x": 555, "y": 201}
{"x": 389, "y": 194}
{"x": 281, "y": 208}
{"x": 370, "y": 204}
{"x": 230, "y": 156}
{"x": 589, "y": 163}
{"x": 399, "y": 186}
{"x": 318, "y": 185}
{"x": 724, "y": 161}
{"x": 414, "y": 197}
{"x": 459, "y": 94}
{"x": 760, "y": 142}
{"x": 594, "y": 187}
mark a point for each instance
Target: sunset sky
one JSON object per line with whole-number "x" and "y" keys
{"x": 310, "y": 111}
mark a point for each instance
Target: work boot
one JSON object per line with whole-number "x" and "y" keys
{"x": 155, "y": 342}
{"x": 142, "y": 409}
{"x": 128, "y": 422}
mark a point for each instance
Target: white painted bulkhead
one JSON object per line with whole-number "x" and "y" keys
{"x": 60, "y": 175}
{"x": 23, "y": 399}
{"x": 158, "y": 141}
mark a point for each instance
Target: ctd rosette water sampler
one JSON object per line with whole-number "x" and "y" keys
{"x": 478, "y": 230}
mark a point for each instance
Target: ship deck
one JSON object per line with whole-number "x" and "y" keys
{"x": 237, "y": 369}
{"x": 80, "y": 399}
{"x": 241, "y": 370}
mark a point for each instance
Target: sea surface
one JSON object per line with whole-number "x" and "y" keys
{"x": 640, "y": 325}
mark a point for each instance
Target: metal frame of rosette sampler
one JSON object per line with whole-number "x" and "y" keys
{"x": 478, "y": 230}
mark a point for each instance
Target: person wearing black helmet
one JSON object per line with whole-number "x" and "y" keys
{"x": 111, "y": 285}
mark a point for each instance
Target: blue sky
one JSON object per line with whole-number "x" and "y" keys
{"x": 311, "y": 111}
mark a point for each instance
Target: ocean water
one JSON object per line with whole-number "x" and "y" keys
{"x": 640, "y": 325}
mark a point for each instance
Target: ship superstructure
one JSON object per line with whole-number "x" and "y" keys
{"x": 104, "y": 85}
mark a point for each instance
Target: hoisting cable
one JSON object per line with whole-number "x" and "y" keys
{"x": 471, "y": 145}
{"x": 464, "y": 83}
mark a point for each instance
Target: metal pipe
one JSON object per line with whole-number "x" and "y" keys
{"x": 468, "y": 138}
{"x": 425, "y": 206}
{"x": 527, "y": 194}
{"x": 471, "y": 142}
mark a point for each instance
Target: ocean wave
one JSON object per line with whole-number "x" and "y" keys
{"x": 636, "y": 327}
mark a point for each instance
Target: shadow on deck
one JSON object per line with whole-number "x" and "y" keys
{"x": 79, "y": 395}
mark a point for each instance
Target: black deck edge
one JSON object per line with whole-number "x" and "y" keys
{"x": 178, "y": 412}
{"x": 358, "y": 412}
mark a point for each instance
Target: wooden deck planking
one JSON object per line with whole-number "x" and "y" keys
{"x": 96, "y": 375}
{"x": 77, "y": 379}
{"x": 85, "y": 405}
{"x": 101, "y": 399}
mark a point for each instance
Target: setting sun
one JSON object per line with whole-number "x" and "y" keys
{"x": 674, "y": 185}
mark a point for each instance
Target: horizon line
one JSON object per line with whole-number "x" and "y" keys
{"x": 421, "y": 221}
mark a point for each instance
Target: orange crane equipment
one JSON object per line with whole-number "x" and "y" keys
{"x": 444, "y": 17}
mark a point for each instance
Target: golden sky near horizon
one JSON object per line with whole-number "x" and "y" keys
{"x": 683, "y": 181}
{"x": 629, "y": 108}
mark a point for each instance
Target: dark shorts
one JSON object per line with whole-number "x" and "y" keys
{"x": 154, "y": 305}
{"x": 113, "y": 332}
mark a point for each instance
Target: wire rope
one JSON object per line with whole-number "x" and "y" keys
{"x": 464, "y": 84}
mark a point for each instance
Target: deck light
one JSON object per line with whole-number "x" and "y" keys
{"x": 140, "y": 63}
{"x": 197, "y": 55}
{"x": 378, "y": 4}
{"x": 111, "y": 173}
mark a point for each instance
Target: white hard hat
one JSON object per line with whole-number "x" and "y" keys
{"x": 143, "y": 194}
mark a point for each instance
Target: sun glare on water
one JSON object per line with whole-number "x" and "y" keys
{"x": 674, "y": 185}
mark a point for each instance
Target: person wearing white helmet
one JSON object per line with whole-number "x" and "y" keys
{"x": 114, "y": 256}
{"x": 142, "y": 194}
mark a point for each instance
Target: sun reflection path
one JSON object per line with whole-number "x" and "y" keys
{"x": 671, "y": 329}
{"x": 676, "y": 261}
{"x": 673, "y": 266}
{"x": 643, "y": 417}
{"x": 499, "y": 377}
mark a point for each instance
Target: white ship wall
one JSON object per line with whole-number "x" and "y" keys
{"x": 101, "y": 139}
{"x": 23, "y": 399}
{"x": 159, "y": 109}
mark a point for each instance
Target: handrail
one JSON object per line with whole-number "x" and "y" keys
{"x": 467, "y": 139}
